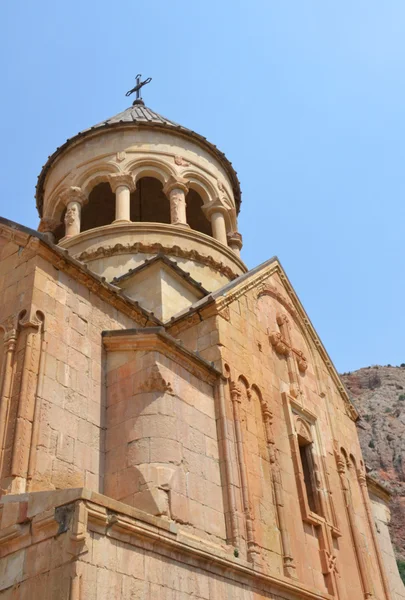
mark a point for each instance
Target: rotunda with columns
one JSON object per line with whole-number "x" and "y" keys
{"x": 138, "y": 186}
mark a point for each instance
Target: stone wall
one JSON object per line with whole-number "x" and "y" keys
{"x": 56, "y": 375}
{"x": 381, "y": 515}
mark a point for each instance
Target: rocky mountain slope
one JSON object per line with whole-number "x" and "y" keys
{"x": 378, "y": 393}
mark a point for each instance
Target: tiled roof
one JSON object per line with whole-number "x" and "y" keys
{"x": 136, "y": 114}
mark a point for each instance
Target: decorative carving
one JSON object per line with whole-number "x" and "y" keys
{"x": 73, "y": 194}
{"x": 303, "y": 430}
{"x": 225, "y": 313}
{"x": 125, "y": 179}
{"x": 288, "y": 560}
{"x": 156, "y": 382}
{"x": 301, "y": 360}
{"x": 180, "y": 161}
{"x": 140, "y": 247}
{"x": 177, "y": 207}
{"x": 236, "y": 392}
{"x": 221, "y": 186}
{"x": 72, "y": 215}
{"x": 279, "y": 345}
{"x": 253, "y": 549}
{"x": 281, "y": 342}
{"x": 265, "y": 289}
{"x": 120, "y": 156}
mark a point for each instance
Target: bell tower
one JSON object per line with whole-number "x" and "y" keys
{"x": 138, "y": 191}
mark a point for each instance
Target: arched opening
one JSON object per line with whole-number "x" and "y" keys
{"x": 194, "y": 214}
{"x": 100, "y": 209}
{"x": 149, "y": 203}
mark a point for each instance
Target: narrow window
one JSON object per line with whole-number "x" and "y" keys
{"x": 309, "y": 479}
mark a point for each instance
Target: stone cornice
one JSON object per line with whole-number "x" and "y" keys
{"x": 156, "y": 339}
{"x": 157, "y": 248}
{"x": 93, "y": 512}
{"x": 138, "y": 228}
{"x": 60, "y": 259}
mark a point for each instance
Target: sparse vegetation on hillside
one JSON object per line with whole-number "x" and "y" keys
{"x": 377, "y": 394}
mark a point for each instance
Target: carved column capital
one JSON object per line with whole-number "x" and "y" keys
{"x": 173, "y": 183}
{"x": 121, "y": 179}
{"x": 10, "y": 340}
{"x": 236, "y": 393}
{"x": 213, "y": 207}
{"x": 341, "y": 463}
{"x": 73, "y": 194}
{"x": 361, "y": 477}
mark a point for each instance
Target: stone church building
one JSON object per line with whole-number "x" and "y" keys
{"x": 171, "y": 426}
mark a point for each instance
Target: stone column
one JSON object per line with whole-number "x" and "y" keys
{"x": 72, "y": 218}
{"x": 74, "y": 199}
{"x": 218, "y": 227}
{"x": 235, "y": 242}
{"x": 122, "y": 184}
{"x": 215, "y": 212}
{"x": 176, "y": 190}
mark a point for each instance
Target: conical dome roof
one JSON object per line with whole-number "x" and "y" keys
{"x": 139, "y": 115}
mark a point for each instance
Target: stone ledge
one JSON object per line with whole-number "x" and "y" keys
{"x": 156, "y": 339}
{"x": 90, "y": 511}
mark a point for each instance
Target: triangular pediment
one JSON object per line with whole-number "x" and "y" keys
{"x": 161, "y": 287}
{"x": 270, "y": 279}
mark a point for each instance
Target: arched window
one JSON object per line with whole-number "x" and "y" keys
{"x": 149, "y": 203}
{"x": 194, "y": 214}
{"x": 100, "y": 209}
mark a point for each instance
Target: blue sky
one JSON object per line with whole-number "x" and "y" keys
{"x": 307, "y": 100}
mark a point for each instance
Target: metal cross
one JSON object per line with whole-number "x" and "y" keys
{"x": 137, "y": 88}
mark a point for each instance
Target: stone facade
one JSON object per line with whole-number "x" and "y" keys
{"x": 171, "y": 426}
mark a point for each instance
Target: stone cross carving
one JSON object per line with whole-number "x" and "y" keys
{"x": 281, "y": 342}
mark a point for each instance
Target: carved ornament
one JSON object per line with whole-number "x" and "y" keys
{"x": 121, "y": 179}
{"x": 265, "y": 289}
{"x": 281, "y": 346}
{"x": 303, "y": 430}
{"x": 140, "y": 247}
{"x": 72, "y": 215}
{"x": 173, "y": 183}
{"x": 180, "y": 161}
{"x": 73, "y": 194}
{"x": 155, "y": 382}
{"x": 221, "y": 186}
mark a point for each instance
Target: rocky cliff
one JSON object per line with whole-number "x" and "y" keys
{"x": 378, "y": 393}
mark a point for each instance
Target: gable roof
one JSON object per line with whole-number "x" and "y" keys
{"x": 172, "y": 264}
{"x": 78, "y": 270}
{"x": 215, "y": 302}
